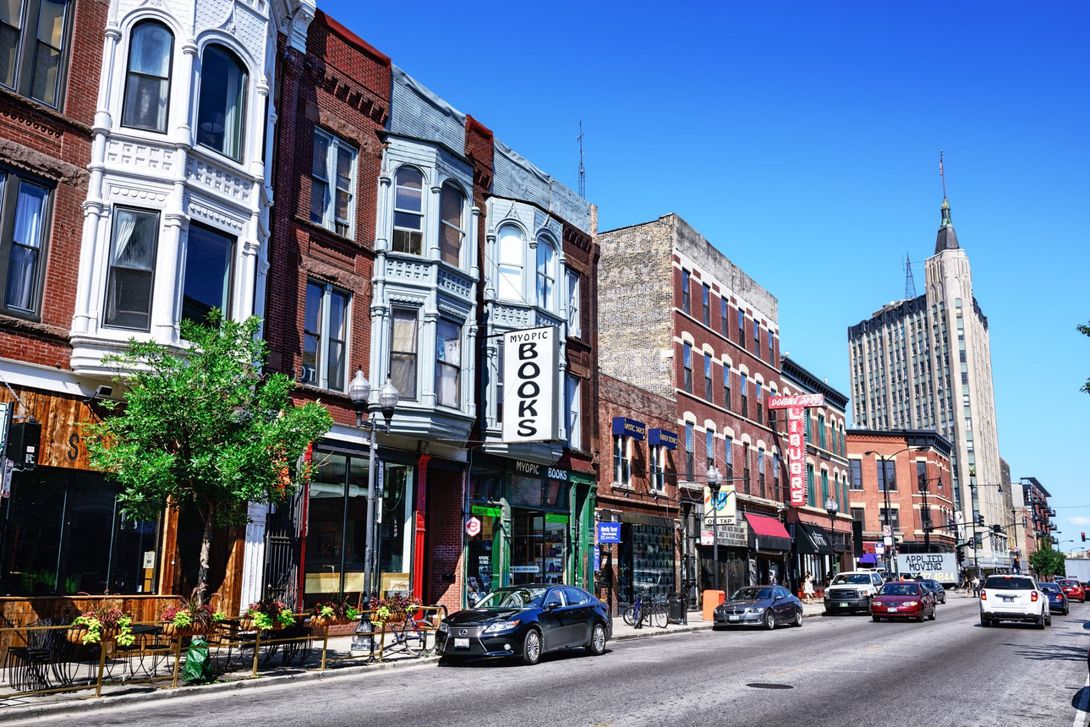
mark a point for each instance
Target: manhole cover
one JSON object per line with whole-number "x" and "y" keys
{"x": 769, "y": 685}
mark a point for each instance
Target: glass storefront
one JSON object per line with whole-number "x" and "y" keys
{"x": 646, "y": 566}
{"x": 538, "y": 545}
{"x": 64, "y": 533}
{"x": 336, "y": 528}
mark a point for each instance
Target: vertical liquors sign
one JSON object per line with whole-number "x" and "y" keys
{"x": 530, "y": 359}
{"x": 796, "y": 406}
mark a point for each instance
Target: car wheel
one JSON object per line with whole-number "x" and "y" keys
{"x": 921, "y": 616}
{"x": 770, "y": 620}
{"x": 1066, "y": 610}
{"x": 1048, "y": 620}
{"x": 531, "y": 647}
{"x": 798, "y": 618}
{"x": 597, "y": 645}
{"x": 876, "y": 619}
{"x": 932, "y": 616}
{"x": 985, "y": 622}
{"x": 1040, "y": 622}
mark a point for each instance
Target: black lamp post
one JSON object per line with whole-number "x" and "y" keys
{"x": 926, "y": 519}
{"x": 715, "y": 480}
{"x": 831, "y": 507}
{"x": 359, "y": 391}
{"x": 884, "y": 482}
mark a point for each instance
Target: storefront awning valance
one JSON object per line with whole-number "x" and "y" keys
{"x": 662, "y": 438}
{"x": 868, "y": 559}
{"x": 767, "y": 533}
{"x": 625, "y": 427}
{"x": 813, "y": 540}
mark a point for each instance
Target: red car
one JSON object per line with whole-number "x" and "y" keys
{"x": 1072, "y": 589}
{"x": 903, "y": 599}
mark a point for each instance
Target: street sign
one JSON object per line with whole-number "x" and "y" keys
{"x": 473, "y": 526}
{"x": 609, "y": 533}
{"x": 888, "y": 540}
{"x": 879, "y": 549}
{"x": 707, "y": 537}
{"x": 886, "y": 532}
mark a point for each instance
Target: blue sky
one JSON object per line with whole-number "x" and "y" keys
{"x": 802, "y": 139}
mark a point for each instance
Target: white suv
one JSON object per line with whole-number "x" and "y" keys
{"x": 851, "y": 591}
{"x": 1013, "y": 598}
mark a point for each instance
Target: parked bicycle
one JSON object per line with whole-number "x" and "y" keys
{"x": 411, "y": 636}
{"x": 650, "y": 611}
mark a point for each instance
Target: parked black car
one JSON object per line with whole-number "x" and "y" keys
{"x": 525, "y": 622}
{"x": 936, "y": 589}
{"x": 767, "y": 606}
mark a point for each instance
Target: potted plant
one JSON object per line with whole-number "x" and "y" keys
{"x": 188, "y": 617}
{"x": 392, "y": 610}
{"x": 268, "y": 614}
{"x": 333, "y": 613}
{"x": 102, "y": 624}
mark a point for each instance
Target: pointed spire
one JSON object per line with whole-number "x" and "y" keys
{"x": 947, "y": 239}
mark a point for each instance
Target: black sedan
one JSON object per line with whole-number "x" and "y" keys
{"x": 525, "y": 622}
{"x": 936, "y": 589}
{"x": 1057, "y": 601}
{"x": 767, "y": 606}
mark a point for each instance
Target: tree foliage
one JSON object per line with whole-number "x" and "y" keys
{"x": 1046, "y": 561}
{"x": 204, "y": 428}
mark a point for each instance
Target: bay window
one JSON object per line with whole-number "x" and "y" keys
{"x": 325, "y": 336}
{"x": 448, "y": 363}
{"x": 451, "y": 224}
{"x": 408, "y": 211}
{"x": 403, "y": 350}
{"x": 147, "y": 79}
{"x": 132, "y": 268}
{"x": 546, "y": 273}
{"x": 221, "y": 105}
{"x": 24, "y": 210}
{"x": 510, "y": 255}
{"x": 209, "y": 255}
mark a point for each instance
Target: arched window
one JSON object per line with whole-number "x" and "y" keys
{"x": 509, "y": 264}
{"x": 546, "y": 273}
{"x": 221, "y": 107}
{"x": 147, "y": 81}
{"x": 408, "y": 211}
{"x": 451, "y": 224}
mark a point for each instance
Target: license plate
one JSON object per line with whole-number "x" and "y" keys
{"x": 843, "y": 605}
{"x": 892, "y": 609}
{"x": 461, "y": 643}
{"x": 733, "y": 618}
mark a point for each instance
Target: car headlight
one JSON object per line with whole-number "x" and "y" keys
{"x": 755, "y": 610}
{"x": 497, "y": 626}
{"x": 911, "y": 603}
{"x": 443, "y": 627}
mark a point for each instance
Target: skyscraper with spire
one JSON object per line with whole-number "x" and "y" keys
{"x": 925, "y": 363}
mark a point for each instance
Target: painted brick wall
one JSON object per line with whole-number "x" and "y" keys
{"x": 444, "y": 540}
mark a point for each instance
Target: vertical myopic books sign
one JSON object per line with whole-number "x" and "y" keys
{"x": 530, "y": 360}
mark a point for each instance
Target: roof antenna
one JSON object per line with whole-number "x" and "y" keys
{"x": 910, "y": 283}
{"x": 582, "y": 169}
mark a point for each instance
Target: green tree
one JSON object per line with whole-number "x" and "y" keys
{"x": 1047, "y": 562}
{"x": 204, "y": 428}
{"x": 1085, "y": 330}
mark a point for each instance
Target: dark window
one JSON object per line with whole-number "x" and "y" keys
{"x": 723, "y": 317}
{"x": 921, "y": 475}
{"x": 689, "y": 444}
{"x": 821, "y": 430}
{"x": 687, "y": 365}
{"x": 709, "y": 447}
{"x": 33, "y": 46}
{"x": 333, "y": 183}
{"x": 208, "y": 265}
{"x": 741, "y": 327}
{"x": 726, "y": 385}
{"x": 707, "y": 301}
{"x": 451, "y": 224}
{"x": 890, "y": 517}
{"x": 810, "y": 500}
{"x": 889, "y": 481}
{"x": 448, "y": 364}
{"x": 728, "y": 459}
{"x": 743, "y": 385}
{"x": 756, "y": 338}
{"x": 708, "y": 378}
{"x": 771, "y": 346}
{"x": 132, "y": 268}
{"x": 222, "y": 104}
{"x": 745, "y": 468}
{"x": 325, "y": 331}
{"x": 147, "y": 82}
{"x": 24, "y": 218}
{"x": 403, "y": 350}
{"x": 761, "y": 473}
{"x": 759, "y": 396}
{"x": 858, "y": 514}
{"x": 856, "y": 467}
{"x": 685, "y": 304}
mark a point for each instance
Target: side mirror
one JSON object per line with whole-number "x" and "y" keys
{"x": 552, "y": 605}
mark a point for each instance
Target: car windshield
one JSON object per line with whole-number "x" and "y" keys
{"x": 751, "y": 594}
{"x": 900, "y": 589}
{"x": 853, "y": 578}
{"x": 1008, "y": 583}
{"x": 504, "y": 598}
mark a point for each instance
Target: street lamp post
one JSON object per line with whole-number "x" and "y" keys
{"x": 831, "y": 507}
{"x": 359, "y": 391}
{"x": 926, "y": 517}
{"x": 885, "y": 491}
{"x": 714, "y": 481}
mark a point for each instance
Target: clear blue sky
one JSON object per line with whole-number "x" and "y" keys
{"x": 802, "y": 139}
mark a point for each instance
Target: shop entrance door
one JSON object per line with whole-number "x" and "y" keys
{"x": 537, "y": 548}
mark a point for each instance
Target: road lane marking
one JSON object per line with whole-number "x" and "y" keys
{"x": 1082, "y": 716}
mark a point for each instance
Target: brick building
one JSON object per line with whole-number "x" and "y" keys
{"x": 1033, "y": 517}
{"x": 822, "y": 534}
{"x": 680, "y": 320}
{"x": 638, "y": 491}
{"x": 909, "y": 490}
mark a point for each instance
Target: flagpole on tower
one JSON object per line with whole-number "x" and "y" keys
{"x": 942, "y": 177}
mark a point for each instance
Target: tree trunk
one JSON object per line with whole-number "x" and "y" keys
{"x": 206, "y": 556}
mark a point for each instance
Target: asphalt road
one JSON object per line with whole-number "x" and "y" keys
{"x": 833, "y": 671}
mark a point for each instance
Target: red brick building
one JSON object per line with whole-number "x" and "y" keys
{"x": 638, "y": 492}
{"x": 904, "y": 472}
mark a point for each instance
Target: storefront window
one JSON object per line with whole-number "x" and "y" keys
{"x": 65, "y": 533}
{"x": 396, "y": 518}
{"x": 537, "y": 547}
{"x": 336, "y": 532}
{"x": 647, "y": 561}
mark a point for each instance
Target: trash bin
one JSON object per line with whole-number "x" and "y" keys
{"x": 675, "y": 608}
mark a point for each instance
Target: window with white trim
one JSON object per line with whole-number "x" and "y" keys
{"x": 510, "y": 265}
{"x": 133, "y": 247}
{"x": 222, "y": 103}
{"x": 622, "y": 460}
{"x": 452, "y": 226}
{"x": 147, "y": 78}
{"x": 333, "y": 183}
{"x": 573, "y": 399}
{"x": 574, "y": 281}
{"x": 403, "y": 352}
{"x": 24, "y": 216}
{"x": 658, "y": 455}
{"x": 408, "y": 234}
{"x": 546, "y": 273}
{"x": 325, "y": 336}
{"x": 209, "y": 262}
{"x": 448, "y": 363}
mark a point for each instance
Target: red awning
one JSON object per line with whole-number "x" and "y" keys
{"x": 766, "y": 527}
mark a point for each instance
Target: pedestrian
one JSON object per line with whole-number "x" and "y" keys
{"x": 976, "y": 586}
{"x": 808, "y": 588}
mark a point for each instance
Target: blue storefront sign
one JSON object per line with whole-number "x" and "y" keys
{"x": 609, "y": 533}
{"x": 597, "y": 558}
{"x": 662, "y": 438}
{"x": 625, "y": 427}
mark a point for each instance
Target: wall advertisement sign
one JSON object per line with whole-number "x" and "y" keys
{"x": 725, "y": 507}
{"x": 796, "y": 454}
{"x": 942, "y": 567}
{"x": 529, "y": 385}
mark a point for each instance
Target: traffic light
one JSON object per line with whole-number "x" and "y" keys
{"x": 961, "y": 556}
{"x": 980, "y": 520}
{"x": 996, "y": 529}
{"x": 1084, "y": 537}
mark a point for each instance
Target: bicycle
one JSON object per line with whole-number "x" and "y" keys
{"x": 411, "y": 637}
{"x": 652, "y": 612}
